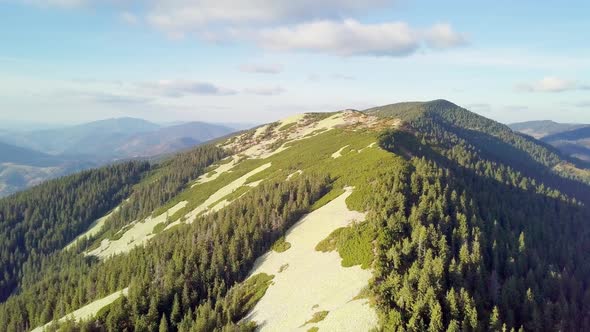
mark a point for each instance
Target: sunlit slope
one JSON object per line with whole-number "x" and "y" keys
{"x": 307, "y": 145}
{"x": 308, "y": 281}
{"x": 419, "y": 216}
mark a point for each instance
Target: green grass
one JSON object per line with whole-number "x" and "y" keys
{"x": 354, "y": 244}
{"x": 159, "y": 227}
{"x": 365, "y": 293}
{"x": 327, "y": 198}
{"x": 288, "y": 126}
{"x": 250, "y": 291}
{"x": 283, "y": 267}
{"x": 281, "y": 245}
{"x": 312, "y": 155}
{"x": 198, "y": 194}
{"x": 317, "y": 317}
{"x": 119, "y": 234}
{"x": 313, "y": 329}
{"x": 317, "y": 116}
{"x": 232, "y": 196}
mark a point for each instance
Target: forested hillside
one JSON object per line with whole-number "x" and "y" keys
{"x": 42, "y": 220}
{"x": 463, "y": 225}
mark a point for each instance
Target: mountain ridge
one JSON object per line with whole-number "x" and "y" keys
{"x": 465, "y": 225}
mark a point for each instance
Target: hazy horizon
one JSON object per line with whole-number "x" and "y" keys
{"x": 75, "y": 61}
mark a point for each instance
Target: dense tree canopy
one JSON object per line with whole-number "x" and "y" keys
{"x": 39, "y": 221}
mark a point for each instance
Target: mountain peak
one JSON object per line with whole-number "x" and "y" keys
{"x": 408, "y": 111}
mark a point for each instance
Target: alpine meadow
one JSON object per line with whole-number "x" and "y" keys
{"x": 282, "y": 166}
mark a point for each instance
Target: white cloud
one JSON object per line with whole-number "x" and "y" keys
{"x": 551, "y": 84}
{"x": 307, "y": 25}
{"x": 181, "y": 88}
{"x": 190, "y": 14}
{"x": 57, "y": 3}
{"x": 129, "y": 18}
{"x": 351, "y": 37}
{"x": 348, "y": 37}
{"x": 265, "y": 91}
{"x": 442, "y": 35}
{"x": 261, "y": 69}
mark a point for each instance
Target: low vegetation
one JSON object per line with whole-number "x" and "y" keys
{"x": 354, "y": 244}
{"x": 317, "y": 317}
{"x": 281, "y": 245}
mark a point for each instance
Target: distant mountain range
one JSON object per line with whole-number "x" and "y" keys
{"x": 573, "y": 139}
{"x": 30, "y": 157}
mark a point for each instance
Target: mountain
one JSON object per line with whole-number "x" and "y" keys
{"x": 574, "y": 142}
{"x": 22, "y": 168}
{"x": 570, "y": 139}
{"x": 96, "y": 138}
{"x": 18, "y": 155}
{"x": 543, "y": 128}
{"x": 414, "y": 216}
{"x": 49, "y": 153}
{"x": 170, "y": 139}
{"x": 117, "y": 138}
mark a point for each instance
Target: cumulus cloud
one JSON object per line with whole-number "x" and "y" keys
{"x": 351, "y": 37}
{"x": 442, "y": 35}
{"x": 261, "y": 69}
{"x": 348, "y": 37}
{"x": 265, "y": 91}
{"x": 190, "y": 14}
{"x": 181, "y": 88}
{"x": 303, "y": 25}
{"x": 551, "y": 84}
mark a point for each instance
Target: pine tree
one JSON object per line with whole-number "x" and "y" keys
{"x": 175, "y": 314}
{"x": 495, "y": 323}
{"x": 163, "y": 324}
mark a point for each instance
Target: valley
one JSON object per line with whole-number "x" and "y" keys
{"x": 29, "y": 157}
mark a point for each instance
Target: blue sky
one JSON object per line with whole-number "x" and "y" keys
{"x": 70, "y": 61}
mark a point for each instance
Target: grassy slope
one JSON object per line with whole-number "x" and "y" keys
{"x": 309, "y": 155}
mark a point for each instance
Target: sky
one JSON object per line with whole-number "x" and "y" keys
{"x": 73, "y": 61}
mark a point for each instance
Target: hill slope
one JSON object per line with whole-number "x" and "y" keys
{"x": 17, "y": 155}
{"x": 71, "y": 149}
{"x": 570, "y": 139}
{"x": 542, "y": 128}
{"x": 21, "y": 167}
{"x": 575, "y": 142}
{"x": 170, "y": 139}
{"x": 94, "y": 138}
{"x": 419, "y": 216}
